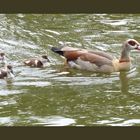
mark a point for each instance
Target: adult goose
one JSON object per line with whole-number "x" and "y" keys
{"x": 98, "y": 61}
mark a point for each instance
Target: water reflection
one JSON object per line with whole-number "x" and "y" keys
{"x": 124, "y": 82}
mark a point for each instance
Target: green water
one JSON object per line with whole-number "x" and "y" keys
{"x": 56, "y": 96}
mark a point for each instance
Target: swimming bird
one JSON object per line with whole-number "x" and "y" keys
{"x": 2, "y": 58}
{"x": 6, "y": 72}
{"x": 98, "y": 61}
{"x": 37, "y": 62}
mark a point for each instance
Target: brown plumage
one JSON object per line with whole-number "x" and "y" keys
{"x": 7, "y": 71}
{"x": 36, "y": 62}
{"x": 98, "y": 61}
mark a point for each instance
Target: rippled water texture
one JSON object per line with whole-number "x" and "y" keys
{"x": 55, "y": 95}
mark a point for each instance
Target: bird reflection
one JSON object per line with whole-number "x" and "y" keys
{"x": 124, "y": 82}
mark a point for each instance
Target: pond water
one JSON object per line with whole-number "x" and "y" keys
{"x": 56, "y": 96}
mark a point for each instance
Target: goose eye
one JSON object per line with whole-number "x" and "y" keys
{"x": 132, "y": 43}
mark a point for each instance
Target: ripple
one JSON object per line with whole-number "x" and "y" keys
{"x": 9, "y": 102}
{"x": 53, "y": 121}
{"x": 103, "y": 122}
{"x": 119, "y": 122}
{"x": 54, "y": 32}
{"x": 130, "y": 122}
{"x": 19, "y": 43}
{"x": 84, "y": 80}
{"x": 6, "y": 121}
{"x": 114, "y": 22}
{"x": 10, "y": 92}
{"x": 37, "y": 84}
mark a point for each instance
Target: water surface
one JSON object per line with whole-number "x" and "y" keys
{"x": 55, "y": 95}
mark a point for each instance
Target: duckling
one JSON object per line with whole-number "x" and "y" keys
{"x": 36, "y": 62}
{"x": 2, "y": 58}
{"x": 6, "y": 72}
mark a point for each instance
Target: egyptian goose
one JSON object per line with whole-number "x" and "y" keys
{"x": 98, "y": 61}
{"x": 37, "y": 62}
{"x": 6, "y": 72}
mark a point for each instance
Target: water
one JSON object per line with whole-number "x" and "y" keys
{"x": 56, "y": 96}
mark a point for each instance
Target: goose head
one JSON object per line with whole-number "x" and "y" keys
{"x": 132, "y": 44}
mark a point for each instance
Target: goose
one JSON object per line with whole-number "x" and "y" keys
{"x": 37, "y": 62}
{"x": 98, "y": 61}
{"x": 6, "y": 72}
